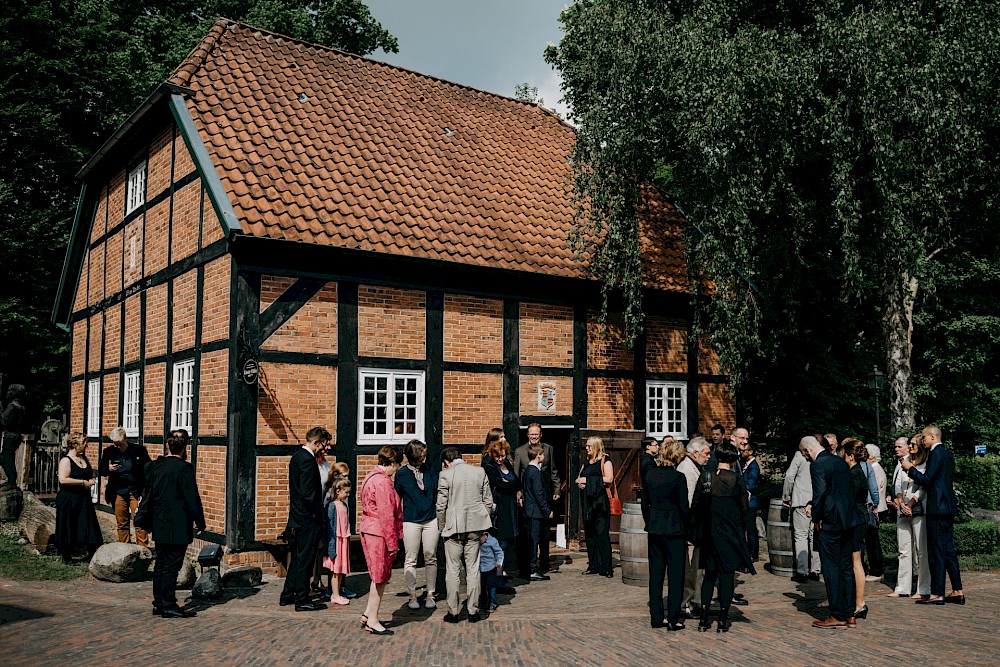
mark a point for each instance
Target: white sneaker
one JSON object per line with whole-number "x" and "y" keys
{"x": 429, "y": 603}
{"x": 413, "y": 604}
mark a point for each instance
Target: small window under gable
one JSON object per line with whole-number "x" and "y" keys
{"x": 135, "y": 193}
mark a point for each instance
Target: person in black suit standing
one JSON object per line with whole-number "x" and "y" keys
{"x": 552, "y": 485}
{"x": 647, "y": 460}
{"x": 536, "y": 508}
{"x": 171, "y": 510}
{"x": 835, "y": 518}
{"x": 305, "y": 520}
{"x": 665, "y": 511}
{"x": 941, "y": 508}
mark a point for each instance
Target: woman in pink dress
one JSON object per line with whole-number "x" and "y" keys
{"x": 381, "y": 529}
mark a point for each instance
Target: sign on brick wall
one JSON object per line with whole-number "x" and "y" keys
{"x": 546, "y": 396}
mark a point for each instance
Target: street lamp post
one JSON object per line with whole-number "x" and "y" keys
{"x": 875, "y": 383}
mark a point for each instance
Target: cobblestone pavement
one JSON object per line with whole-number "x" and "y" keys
{"x": 570, "y": 620}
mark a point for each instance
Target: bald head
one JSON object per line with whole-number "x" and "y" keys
{"x": 810, "y": 447}
{"x": 932, "y": 435}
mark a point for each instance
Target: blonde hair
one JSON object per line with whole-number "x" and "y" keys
{"x": 670, "y": 454}
{"x": 76, "y": 442}
{"x": 337, "y": 485}
{"x": 596, "y": 448}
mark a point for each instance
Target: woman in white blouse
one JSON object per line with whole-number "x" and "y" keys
{"x": 911, "y": 531}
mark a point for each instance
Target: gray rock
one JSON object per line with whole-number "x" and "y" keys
{"x": 38, "y": 524}
{"x": 109, "y": 526}
{"x": 245, "y": 576}
{"x": 186, "y": 576}
{"x": 118, "y": 563}
{"x": 209, "y": 585}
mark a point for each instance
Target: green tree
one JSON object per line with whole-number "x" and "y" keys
{"x": 70, "y": 72}
{"x": 828, "y": 153}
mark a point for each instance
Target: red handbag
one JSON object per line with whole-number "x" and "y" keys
{"x": 616, "y": 503}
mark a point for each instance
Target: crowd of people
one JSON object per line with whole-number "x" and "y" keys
{"x": 698, "y": 500}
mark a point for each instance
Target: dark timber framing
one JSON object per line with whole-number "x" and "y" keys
{"x": 512, "y": 371}
{"x": 347, "y": 375}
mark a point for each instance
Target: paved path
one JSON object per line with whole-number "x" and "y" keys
{"x": 570, "y": 620}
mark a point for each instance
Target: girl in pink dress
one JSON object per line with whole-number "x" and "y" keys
{"x": 381, "y": 529}
{"x": 340, "y": 537}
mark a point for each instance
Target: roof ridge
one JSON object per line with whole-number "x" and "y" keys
{"x": 199, "y": 54}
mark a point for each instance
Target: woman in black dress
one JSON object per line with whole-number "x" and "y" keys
{"x": 506, "y": 488}
{"x": 595, "y": 477}
{"x": 722, "y": 508}
{"x": 854, "y": 452}
{"x": 76, "y": 520}
{"x": 665, "y": 511}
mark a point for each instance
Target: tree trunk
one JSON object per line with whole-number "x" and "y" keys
{"x": 897, "y": 325}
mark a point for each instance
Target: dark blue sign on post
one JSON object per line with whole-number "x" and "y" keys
{"x": 980, "y": 450}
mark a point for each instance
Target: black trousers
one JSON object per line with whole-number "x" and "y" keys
{"x": 596, "y": 532}
{"x": 727, "y": 585}
{"x": 543, "y": 546}
{"x": 873, "y": 552}
{"x": 753, "y": 538}
{"x": 535, "y": 539}
{"x": 941, "y": 556}
{"x": 834, "y": 548}
{"x": 666, "y": 556}
{"x": 169, "y": 558}
{"x": 304, "y": 543}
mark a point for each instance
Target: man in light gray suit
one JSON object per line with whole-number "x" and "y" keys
{"x": 464, "y": 502}
{"x": 796, "y": 493}
{"x": 692, "y": 466}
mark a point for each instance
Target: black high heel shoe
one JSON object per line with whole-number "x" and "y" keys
{"x": 862, "y": 613}
{"x": 704, "y": 624}
{"x": 724, "y": 622}
{"x": 382, "y": 632}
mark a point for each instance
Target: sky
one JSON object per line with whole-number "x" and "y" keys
{"x": 491, "y": 45}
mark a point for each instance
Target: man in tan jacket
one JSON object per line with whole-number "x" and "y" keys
{"x": 464, "y": 502}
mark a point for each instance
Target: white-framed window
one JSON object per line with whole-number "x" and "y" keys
{"x": 135, "y": 191}
{"x": 94, "y": 408}
{"x": 182, "y": 393}
{"x": 666, "y": 409}
{"x": 390, "y": 406}
{"x": 130, "y": 406}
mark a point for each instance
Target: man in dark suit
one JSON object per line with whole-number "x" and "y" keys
{"x": 647, "y": 460}
{"x": 536, "y": 508}
{"x": 305, "y": 520}
{"x": 551, "y": 483}
{"x": 834, "y": 516}
{"x": 941, "y": 507}
{"x": 171, "y": 510}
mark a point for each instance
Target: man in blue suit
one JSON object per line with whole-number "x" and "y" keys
{"x": 941, "y": 507}
{"x": 834, "y": 516}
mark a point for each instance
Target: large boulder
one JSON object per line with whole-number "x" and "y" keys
{"x": 186, "y": 576}
{"x": 208, "y": 586}
{"x": 245, "y": 576}
{"x": 11, "y": 502}
{"x": 119, "y": 563}
{"x": 37, "y": 523}
{"x": 109, "y": 526}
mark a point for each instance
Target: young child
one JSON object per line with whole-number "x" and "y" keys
{"x": 536, "y": 505}
{"x": 490, "y": 568}
{"x": 338, "y": 556}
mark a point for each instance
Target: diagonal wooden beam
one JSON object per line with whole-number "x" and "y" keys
{"x": 287, "y": 305}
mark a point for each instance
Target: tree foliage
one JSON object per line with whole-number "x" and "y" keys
{"x": 70, "y": 72}
{"x": 828, "y": 156}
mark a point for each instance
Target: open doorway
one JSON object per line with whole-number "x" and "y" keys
{"x": 559, "y": 437}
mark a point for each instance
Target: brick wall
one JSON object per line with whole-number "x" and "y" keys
{"x": 116, "y": 198}
{"x": 391, "y": 322}
{"x": 473, "y": 329}
{"x": 609, "y": 403}
{"x": 183, "y": 164}
{"x": 184, "y": 236}
{"x": 312, "y": 329}
{"x": 113, "y": 265}
{"x": 666, "y": 346}
{"x": 98, "y": 229}
{"x": 211, "y": 229}
{"x": 529, "y": 395}
{"x": 158, "y": 236}
{"x": 272, "y": 496}
{"x": 79, "y": 360}
{"x": 153, "y": 379}
{"x": 133, "y": 251}
{"x": 77, "y": 417}
{"x": 214, "y": 393}
{"x": 133, "y": 327}
{"x": 292, "y": 399}
{"x": 109, "y": 404}
{"x": 184, "y": 306}
{"x": 215, "y": 306}
{"x": 715, "y": 406}
{"x": 211, "y": 477}
{"x": 80, "y": 300}
{"x": 156, "y": 321}
{"x": 473, "y": 404}
{"x": 96, "y": 275}
{"x": 708, "y": 359}
{"x": 158, "y": 164}
{"x": 606, "y": 346}
{"x": 96, "y": 336}
{"x": 546, "y": 335}
{"x": 112, "y": 336}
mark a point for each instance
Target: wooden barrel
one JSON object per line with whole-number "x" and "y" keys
{"x": 633, "y": 546}
{"x": 779, "y": 539}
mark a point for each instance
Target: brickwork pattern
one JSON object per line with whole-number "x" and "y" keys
{"x": 708, "y": 359}
{"x": 715, "y": 406}
{"x": 184, "y": 306}
{"x": 96, "y": 291}
{"x": 606, "y": 347}
{"x": 113, "y": 336}
{"x": 292, "y": 399}
{"x": 116, "y": 198}
{"x": 109, "y": 404}
{"x": 666, "y": 346}
{"x": 82, "y": 294}
{"x": 546, "y": 335}
{"x": 158, "y": 163}
{"x": 113, "y": 265}
{"x": 133, "y": 327}
{"x": 215, "y": 303}
{"x": 312, "y": 329}
{"x": 156, "y": 321}
{"x": 473, "y": 329}
{"x": 609, "y": 403}
{"x": 98, "y": 229}
{"x": 157, "y": 237}
{"x": 214, "y": 393}
{"x": 79, "y": 359}
{"x": 473, "y": 404}
{"x": 134, "y": 251}
{"x": 183, "y": 164}
{"x": 153, "y": 379}
{"x": 272, "y": 496}
{"x": 96, "y": 324}
{"x": 77, "y": 418}
{"x": 210, "y": 475}
{"x": 529, "y": 394}
{"x": 391, "y": 322}
{"x": 211, "y": 227}
{"x": 184, "y": 237}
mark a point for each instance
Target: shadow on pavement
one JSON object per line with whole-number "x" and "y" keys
{"x": 11, "y": 614}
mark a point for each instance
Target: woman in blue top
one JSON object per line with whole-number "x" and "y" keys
{"x": 416, "y": 484}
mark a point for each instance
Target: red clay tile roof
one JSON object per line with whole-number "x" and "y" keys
{"x": 322, "y": 146}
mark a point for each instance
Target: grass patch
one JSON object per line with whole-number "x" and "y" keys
{"x": 16, "y": 562}
{"x": 979, "y": 562}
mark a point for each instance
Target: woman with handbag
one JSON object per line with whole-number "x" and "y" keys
{"x": 911, "y": 532}
{"x": 596, "y": 479}
{"x": 853, "y": 451}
